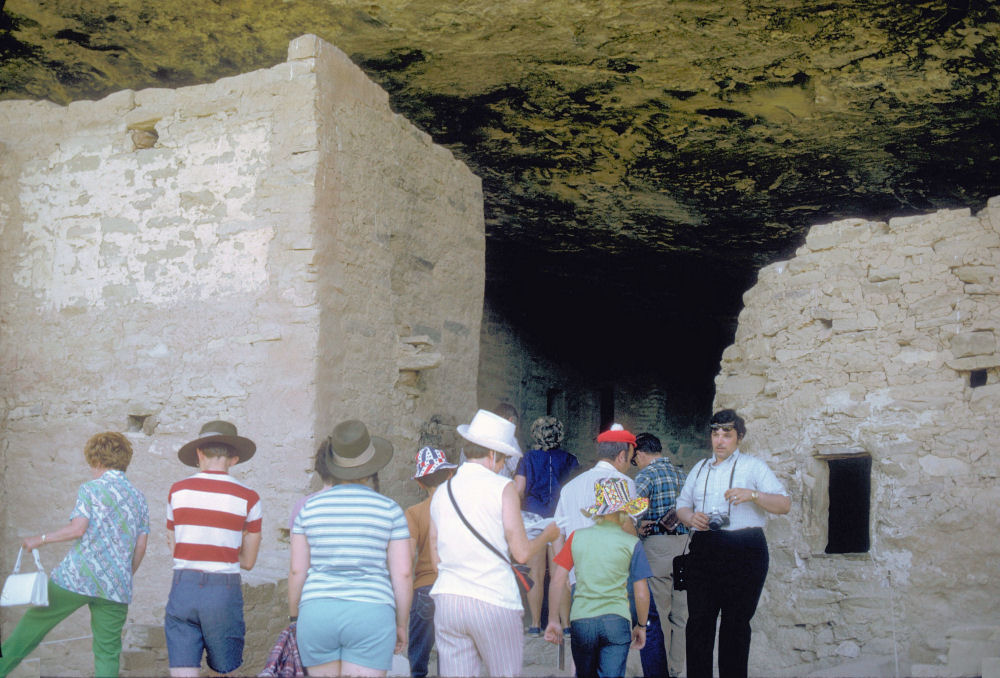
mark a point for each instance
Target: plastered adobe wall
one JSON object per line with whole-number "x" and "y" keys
{"x": 278, "y": 249}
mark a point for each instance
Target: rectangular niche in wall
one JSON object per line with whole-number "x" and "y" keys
{"x": 850, "y": 503}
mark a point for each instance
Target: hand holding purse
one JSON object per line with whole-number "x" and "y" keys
{"x": 26, "y": 589}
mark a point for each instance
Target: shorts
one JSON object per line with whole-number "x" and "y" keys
{"x": 330, "y": 629}
{"x": 205, "y": 614}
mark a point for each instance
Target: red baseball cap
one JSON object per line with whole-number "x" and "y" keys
{"x": 616, "y": 434}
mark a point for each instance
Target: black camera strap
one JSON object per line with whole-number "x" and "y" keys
{"x": 704, "y": 496}
{"x": 480, "y": 537}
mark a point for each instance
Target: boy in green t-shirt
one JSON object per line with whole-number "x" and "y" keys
{"x": 606, "y": 559}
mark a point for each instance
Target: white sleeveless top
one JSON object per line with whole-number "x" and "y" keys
{"x": 467, "y": 567}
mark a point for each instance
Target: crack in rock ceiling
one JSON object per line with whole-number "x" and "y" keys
{"x": 653, "y": 153}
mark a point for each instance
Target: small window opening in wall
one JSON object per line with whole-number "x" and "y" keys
{"x": 144, "y": 135}
{"x": 977, "y": 378}
{"x": 607, "y": 407}
{"x": 850, "y": 504}
{"x": 136, "y": 422}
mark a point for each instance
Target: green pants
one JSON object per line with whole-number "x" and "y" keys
{"x": 107, "y": 618}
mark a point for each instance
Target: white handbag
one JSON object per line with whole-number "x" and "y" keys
{"x": 26, "y": 589}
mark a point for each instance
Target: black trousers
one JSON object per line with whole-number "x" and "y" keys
{"x": 727, "y": 572}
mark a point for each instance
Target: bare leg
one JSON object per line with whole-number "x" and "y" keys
{"x": 537, "y": 565}
{"x": 349, "y": 669}
{"x": 327, "y": 669}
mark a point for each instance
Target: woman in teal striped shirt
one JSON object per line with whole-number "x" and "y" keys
{"x": 349, "y": 582}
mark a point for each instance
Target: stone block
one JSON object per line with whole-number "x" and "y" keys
{"x": 978, "y": 275}
{"x": 883, "y": 274}
{"x": 978, "y": 343}
{"x": 965, "y": 656}
{"x": 742, "y": 386}
{"x": 864, "y": 667}
{"x": 991, "y": 214}
{"x": 943, "y": 467}
{"x": 863, "y": 320}
{"x": 991, "y": 667}
{"x": 929, "y": 671}
{"x": 986, "y": 398}
{"x": 979, "y": 362}
{"x": 304, "y": 47}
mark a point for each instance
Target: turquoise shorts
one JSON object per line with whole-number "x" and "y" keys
{"x": 331, "y": 629}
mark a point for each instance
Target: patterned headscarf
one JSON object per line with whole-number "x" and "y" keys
{"x": 547, "y": 432}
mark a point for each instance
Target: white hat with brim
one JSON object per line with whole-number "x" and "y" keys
{"x": 351, "y": 452}
{"x": 221, "y": 433}
{"x": 492, "y": 432}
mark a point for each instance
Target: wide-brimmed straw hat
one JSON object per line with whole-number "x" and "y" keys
{"x": 351, "y": 452}
{"x": 492, "y": 432}
{"x": 612, "y": 495}
{"x": 218, "y": 432}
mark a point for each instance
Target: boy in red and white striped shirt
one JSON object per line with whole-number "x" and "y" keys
{"x": 214, "y": 529}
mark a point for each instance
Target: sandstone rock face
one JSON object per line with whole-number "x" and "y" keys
{"x": 263, "y": 249}
{"x": 876, "y": 340}
{"x": 696, "y": 141}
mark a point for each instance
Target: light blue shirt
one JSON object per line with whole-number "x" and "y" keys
{"x": 349, "y": 528}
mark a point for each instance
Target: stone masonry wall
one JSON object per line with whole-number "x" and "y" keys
{"x": 514, "y": 370}
{"x": 868, "y": 342}
{"x": 174, "y": 256}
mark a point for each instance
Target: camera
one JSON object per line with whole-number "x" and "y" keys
{"x": 717, "y": 520}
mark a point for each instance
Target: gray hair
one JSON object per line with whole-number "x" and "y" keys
{"x": 610, "y": 450}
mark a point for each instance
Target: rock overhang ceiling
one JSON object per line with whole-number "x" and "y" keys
{"x": 640, "y": 157}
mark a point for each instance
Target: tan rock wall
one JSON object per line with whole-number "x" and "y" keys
{"x": 864, "y": 343}
{"x": 261, "y": 249}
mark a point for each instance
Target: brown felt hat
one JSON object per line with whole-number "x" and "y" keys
{"x": 217, "y": 432}
{"x": 351, "y": 452}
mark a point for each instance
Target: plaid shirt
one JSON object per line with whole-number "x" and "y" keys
{"x": 661, "y": 482}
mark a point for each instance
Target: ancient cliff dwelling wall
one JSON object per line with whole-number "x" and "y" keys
{"x": 278, "y": 249}
{"x": 514, "y": 369}
{"x": 868, "y": 369}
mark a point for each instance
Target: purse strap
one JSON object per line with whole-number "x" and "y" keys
{"x": 34, "y": 552}
{"x": 480, "y": 537}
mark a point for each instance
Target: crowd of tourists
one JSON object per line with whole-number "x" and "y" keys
{"x": 368, "y": 580}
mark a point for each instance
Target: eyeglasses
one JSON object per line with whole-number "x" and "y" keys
{"x": 726, "y": 428}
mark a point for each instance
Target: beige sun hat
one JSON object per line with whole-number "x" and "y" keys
{"x": 217, "y": 432}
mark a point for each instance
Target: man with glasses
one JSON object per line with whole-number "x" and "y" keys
{"x": 663, "y": 537}
{"x": 726, "y": 500}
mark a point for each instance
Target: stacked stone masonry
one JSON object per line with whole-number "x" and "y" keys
{"x": 878, "y": 339}
{"x": 278, "y": 249}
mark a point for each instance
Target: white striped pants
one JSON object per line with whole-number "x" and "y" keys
{"x": 469, "y": 632}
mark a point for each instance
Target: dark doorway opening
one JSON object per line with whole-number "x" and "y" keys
{"x": 850, "y": 504}
{"x": 607, "y": 408}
